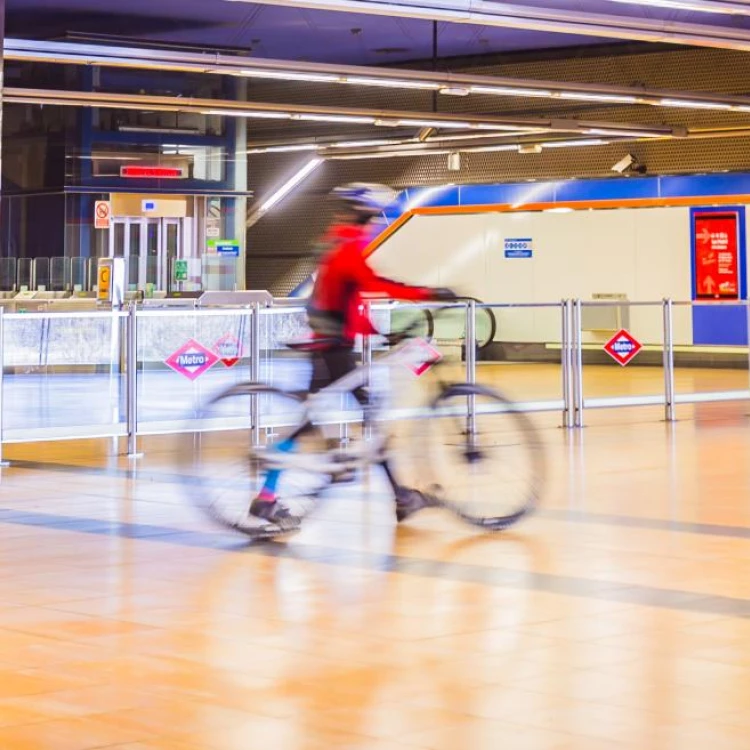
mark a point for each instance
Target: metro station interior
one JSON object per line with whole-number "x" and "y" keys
{"x": 578, "y": 173}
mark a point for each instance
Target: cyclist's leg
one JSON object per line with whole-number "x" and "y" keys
{"x": 264, "y": 504}
{"x": 407, "y": 501}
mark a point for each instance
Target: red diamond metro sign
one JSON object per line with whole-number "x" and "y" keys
{"x": 229, "y": 349}
{"x": 192, "y": 360}
{"x": 622, "y": 347}
{"x": 419, "y": 355}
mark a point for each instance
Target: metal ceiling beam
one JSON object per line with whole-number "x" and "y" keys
{"x": 722, "y": 7}
{"x": 211, "y": 63}
{"x": 338, "y": 115}
{"x": 508, "y": 146}
{"x": 554, "y": 20}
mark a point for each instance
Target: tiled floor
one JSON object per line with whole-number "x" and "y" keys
{"x": 618, "y": 617}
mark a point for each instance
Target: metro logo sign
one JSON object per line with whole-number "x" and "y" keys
{"x": 229, "y": 349}
{"x": 622, "y": 347}
{"x": 192, "y": 360}
{"x": 419, "y": 355}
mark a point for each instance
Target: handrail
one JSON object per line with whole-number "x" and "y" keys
{"x": 125, "y": 358}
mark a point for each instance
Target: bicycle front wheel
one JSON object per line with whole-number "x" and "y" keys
{"x": 488, "y": 470}
{"x": 223, "y": 472}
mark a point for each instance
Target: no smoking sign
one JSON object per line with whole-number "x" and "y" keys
{"x": 102, "y": 214}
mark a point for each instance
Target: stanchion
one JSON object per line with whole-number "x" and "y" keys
{"x": 471, "y": 363}
{"x": 131, "y": 380}
{"x": 255, "y": 372}
{"x": 565, "y": 357}
{"x": 3, "y": 462}
{"x": 669, "y": 410}
{"x": 367, "y": 365}
{"x": 577, "y": 365}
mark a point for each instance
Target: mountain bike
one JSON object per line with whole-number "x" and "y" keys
{"x": 471, "y": 451}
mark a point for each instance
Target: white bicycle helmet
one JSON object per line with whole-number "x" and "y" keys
{"x": 367, "y": 200}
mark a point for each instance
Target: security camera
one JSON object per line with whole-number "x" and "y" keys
{"x": 629, "y": 163}
{"x": 624, "y": 164}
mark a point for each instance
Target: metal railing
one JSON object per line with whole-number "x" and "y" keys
{"x": 125, "y": 348}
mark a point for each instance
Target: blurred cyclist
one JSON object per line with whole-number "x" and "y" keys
{"x": 336, "y": 316}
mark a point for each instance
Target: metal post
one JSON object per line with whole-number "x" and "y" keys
{"x": 131, "y": 379}
{"x": 2, "y": 380}
{"x": 565, "y": 357}
{"x": 667, "y": 310}
{"x": 577, "y": 365}
{"x": 367, "y": 365}
{"x": 255, "y": 372}
{"x": 471, "y": 362}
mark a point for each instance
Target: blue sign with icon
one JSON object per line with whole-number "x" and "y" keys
{"x": 519, "y": 247}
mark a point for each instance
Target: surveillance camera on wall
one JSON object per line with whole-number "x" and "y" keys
{"x": 629, "y": 163}
{"x": 624, "y": 164}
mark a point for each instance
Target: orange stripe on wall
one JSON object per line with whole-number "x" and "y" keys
{"x": 575, "y": 205}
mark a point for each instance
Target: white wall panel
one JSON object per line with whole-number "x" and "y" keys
{"x": 643, "y": 253}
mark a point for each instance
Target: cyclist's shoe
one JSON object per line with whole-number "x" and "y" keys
{"x": 409, "y": 502}
{"x": 274, "y": 513}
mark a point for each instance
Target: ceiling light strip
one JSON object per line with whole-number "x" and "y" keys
{"x": 337, "y": 115}
{"x": 280, "y": 70}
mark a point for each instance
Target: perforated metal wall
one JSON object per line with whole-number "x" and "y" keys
{"x": 287, "y": 233}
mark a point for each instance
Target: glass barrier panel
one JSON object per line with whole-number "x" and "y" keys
{"x": 186, "y": 358}
{"x": 282, "y": 367}
{"x": 24, "y": 274}
{"x": 79, "y": 274}
{"x": 520, "y": 352}
{"x": 41, "y": 275}
{"x": 93, "y": 271}
{"x": 60, "y": 274}
{"x": 63, "y": 376}
{"x": 7, "y": 274}
{"x": 625, "y": 369}
{"x": 710, "y": 342}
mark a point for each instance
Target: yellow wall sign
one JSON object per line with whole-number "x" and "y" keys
{"x": 105, "y": 277}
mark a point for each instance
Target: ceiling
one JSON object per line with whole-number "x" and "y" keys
{"x": 302, "y": 33}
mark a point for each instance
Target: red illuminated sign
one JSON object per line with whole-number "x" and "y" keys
{"x": 716, "y": 255}
{"x": 152, "y": 173}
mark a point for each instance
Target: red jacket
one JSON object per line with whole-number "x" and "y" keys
{"x": 343, "y": 279}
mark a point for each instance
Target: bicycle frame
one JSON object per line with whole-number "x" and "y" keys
{"x": 372, "y": 450}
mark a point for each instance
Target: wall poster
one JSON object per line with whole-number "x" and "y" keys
{"x": 716, "y": 254}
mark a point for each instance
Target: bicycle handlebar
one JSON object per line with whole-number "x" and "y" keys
{"x": 397, "y": 337}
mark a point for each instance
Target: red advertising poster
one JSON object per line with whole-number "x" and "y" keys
{"x": 716, "y": 255}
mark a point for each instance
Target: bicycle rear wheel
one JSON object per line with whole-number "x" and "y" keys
{"x": 489, "y": 476}
{"x": 223, "y": 472}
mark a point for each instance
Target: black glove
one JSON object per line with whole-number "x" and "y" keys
{"x": 443, "y": 294}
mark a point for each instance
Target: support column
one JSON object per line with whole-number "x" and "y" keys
{"x": 2, "y": 79}
{"x": 240, "y": 185}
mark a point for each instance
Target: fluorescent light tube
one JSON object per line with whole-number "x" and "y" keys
{"x": 290, "y": 184}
